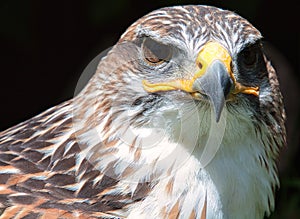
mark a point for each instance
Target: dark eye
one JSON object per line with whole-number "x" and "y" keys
{"x": 156, "y": 53}
{"x": 249, "y": 56}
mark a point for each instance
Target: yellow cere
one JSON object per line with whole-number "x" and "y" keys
{"x": 210, "y": 52}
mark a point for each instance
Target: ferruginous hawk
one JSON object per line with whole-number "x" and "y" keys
{"x": 183, "y": 118}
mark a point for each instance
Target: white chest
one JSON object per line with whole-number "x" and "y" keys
{"x": 233, "y": 185}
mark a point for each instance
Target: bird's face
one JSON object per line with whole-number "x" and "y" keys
{"x": 182, "y": 55}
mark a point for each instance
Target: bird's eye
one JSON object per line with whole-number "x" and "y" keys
{"x": 249, "y": 56}
{"x": 156, "y": 53}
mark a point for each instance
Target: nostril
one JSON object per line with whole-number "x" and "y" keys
{"x": 199, "y": 64}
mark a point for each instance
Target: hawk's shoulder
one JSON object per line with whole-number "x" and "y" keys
{"x": 42, "y": 175}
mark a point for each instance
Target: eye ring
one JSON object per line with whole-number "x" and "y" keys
{"x": 156, "y": 53}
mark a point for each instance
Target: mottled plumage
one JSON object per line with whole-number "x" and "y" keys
{"x": 90, "y": 157}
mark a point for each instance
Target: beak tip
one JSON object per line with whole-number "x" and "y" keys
{"x": 218, "y": 108}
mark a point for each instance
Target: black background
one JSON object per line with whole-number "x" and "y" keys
{"x": 45, "y": 45}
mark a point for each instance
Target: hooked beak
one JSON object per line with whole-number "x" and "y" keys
{"x": 216, "y": 85}
{"x": 214, "y": 79}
